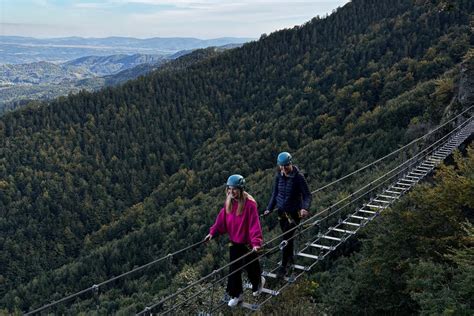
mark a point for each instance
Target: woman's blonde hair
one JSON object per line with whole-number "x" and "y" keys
{"x": 243, "y": 196}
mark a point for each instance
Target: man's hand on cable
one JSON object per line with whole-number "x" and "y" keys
{"x": 208, "y": 237}
{"x": 255, "y": 248}
{"x": 266, "y": 212}
{"x": 304, "y": 213}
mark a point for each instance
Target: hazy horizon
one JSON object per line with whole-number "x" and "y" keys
{"x": 143, "y": 19}
{"x": 128, "y": 37}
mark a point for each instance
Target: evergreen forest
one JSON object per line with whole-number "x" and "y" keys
{"x": 95, "y": 184}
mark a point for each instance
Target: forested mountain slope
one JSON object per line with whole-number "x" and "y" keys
{"x": 94, "y": 184}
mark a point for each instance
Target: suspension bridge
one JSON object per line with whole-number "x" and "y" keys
{"x": 317, "y": 236}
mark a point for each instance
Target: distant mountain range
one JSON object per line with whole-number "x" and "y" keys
{"x": 19, "y": 50}
{"x": 49, "y": 72}
{"x": 22, "y": 83}
{"x": 80, "y": 68}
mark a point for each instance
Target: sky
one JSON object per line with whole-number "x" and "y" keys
{"x": 203, "y": 19}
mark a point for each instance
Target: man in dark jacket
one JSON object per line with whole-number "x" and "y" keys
{"x": 292, "y": 198}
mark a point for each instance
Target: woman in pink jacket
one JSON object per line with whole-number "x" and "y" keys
{"x": 239, "y": 219}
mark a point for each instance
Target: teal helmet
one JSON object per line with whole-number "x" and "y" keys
{"x": 284, "y": 158}
{"x": 236, "y": 181}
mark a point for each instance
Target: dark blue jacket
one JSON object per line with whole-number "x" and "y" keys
{"x": 290, "y": 193}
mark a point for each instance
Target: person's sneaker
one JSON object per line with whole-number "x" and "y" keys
{"x": 281, "y": 272}
{"x": 234, "y": 301}
{"x": 260, "y": 287}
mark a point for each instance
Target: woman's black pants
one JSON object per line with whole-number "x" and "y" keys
{"x": 287, "y": 222}
{"x": 250, "y": 263}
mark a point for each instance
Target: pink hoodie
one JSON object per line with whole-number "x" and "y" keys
{"x": 242, "y": 229}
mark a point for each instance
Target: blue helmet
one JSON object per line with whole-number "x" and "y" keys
{"x": 284, "y": 158}
{"x": 236, "y": 181}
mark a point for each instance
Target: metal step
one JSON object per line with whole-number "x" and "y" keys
{"x": 398, "y": 188}
{"x": 342, "y": 230}
{"x": 360, "y": 217}
{"x": 322, "y": 246}
{"x": 381, "y": 201}
{"x": 394, "y": 192}
{"x": 388, "y": 196}
{"x": 307, "y": 255}
{"x": 425, "y": 172}
{"x": 428, "y": 165}
{"x": 274, "y": 276}
{"x": 423, "y": 168}
{"x": 404, "y": 184}
{"x": 408, "y": 180}
{"x": 375, "y": 206}
{"x": 367, "y": 211}
{"x": 264, "y": 290}
{"x": 330, "y": 237}
{"x": 352, "y": 224}
{"x": 299, "y": 267}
